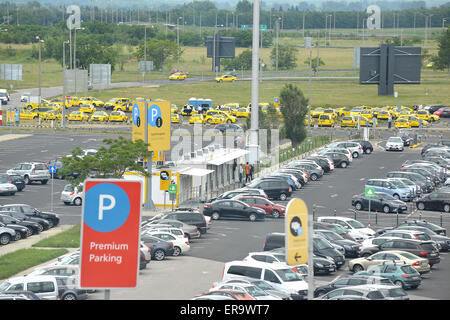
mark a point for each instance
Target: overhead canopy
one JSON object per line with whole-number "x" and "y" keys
{"x": 196, "y": 172}
{"x": 227, "y": 156}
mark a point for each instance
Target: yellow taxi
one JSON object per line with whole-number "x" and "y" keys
{"x": 41, "y": 111}
{"x": 227, "y": 118}
{"x": 74, "y": 101}
{"x": 402, "y": 122}
{"x": 425, "y": 115}
{"x": 28, "y": 115}
{"x": 233, "y": 108}
{"x": 188, "y": 110}
{"x": 54, "y": 106}
{"x": 87, "y": 108}
{"x": 414, "y": 122}
{"x": 363, "y": 121}
{"x": 173, "y": 109}
{"x": 61, "y": 101}
{"x": 100, "y": 116}
{"x": 349, "y": 121}
{"x": 117, "y": 102}
{"x": 226, "y": 78}
{"x": 174, "y": 118}
{"x": 367, "y": 113}
{"x": 117, "y": 116}
{"x": 383, "y": 115}
{"x": 405, "y": 112}
{"x": 313, "y": 121}
{"x": 316, "y": 112}
{"x": 356, "y": 112}
{"x": 196, "y": 118}
{"x": 325, "y": 120}
{"x": 91, "y": 100}
{"x": 226, "y": 109}
{"x": 78, "y": 116}
{"x": 52, "y": 115}
{"x": 34, "y": 105}
{"x": 375, "y": 112}
{"x": 243, "y": 113}
{"x": 177, "y": 76}
{"x": 345, "y": 111}
{"x": 330, "y": 112}
{"x": 216, "y": 119}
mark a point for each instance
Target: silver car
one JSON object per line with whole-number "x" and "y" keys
{"x": 6, "y": 187}
{"x": 31, "y": 171}
{"x": 190, "y": 231}
{"x": 72, "y": 195}
{"x": 370, "y": 291}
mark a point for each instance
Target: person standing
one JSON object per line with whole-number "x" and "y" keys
{"x": 251, "y": 172}
{"x": 247, "y": 172}
{"x": 389, "y": 121}
{"x": 241, "y": 172}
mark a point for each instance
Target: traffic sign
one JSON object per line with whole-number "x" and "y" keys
{"x": 165, "y": 177}
{"x": 110, "y": 237}
{"x": 263, "y": 27}
{"x": 296, "y": 231}
{"x": 52, "y": 169}
{"x": 244, "y": 27}
{"x": 172, "y": 189}
{"x": 370, "y": 192}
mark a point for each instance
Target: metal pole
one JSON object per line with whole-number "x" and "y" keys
{"x": 255, "y": 84}
{"x": 149, "y": 203}
{"x": 145, "y": 53}
{"x": 64, "y": 86}
{"x": 39, "y": 71}
{"x": 75, "y": 58}
{"x": 309, "y": 87}
{"x": 310, "y": 258}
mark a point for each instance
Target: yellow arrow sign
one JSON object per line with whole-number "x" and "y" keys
{"x": 296, "y": 230}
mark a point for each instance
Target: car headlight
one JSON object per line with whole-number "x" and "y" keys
{"x": 319, "y": 265}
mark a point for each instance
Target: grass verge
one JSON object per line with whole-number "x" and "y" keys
{"x": 20, "y": 260}
{"x": 66, "y": 239}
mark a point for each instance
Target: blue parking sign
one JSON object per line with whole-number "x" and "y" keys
{"x": 52, "y": 169}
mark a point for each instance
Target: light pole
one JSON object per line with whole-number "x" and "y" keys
{"x": 277, "y": 26}
{"x": 178, "y": 42}
{"x": 39, "y": 66}
{"x": 329, "y": 32}
{"x": 64, "y": 86}
{"x": 303, "y": 22}
{"x": 75, "y": 56}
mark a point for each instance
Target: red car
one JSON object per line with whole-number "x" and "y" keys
{"x": 233, "y": 294}
{"x": 272, "y": 209}
{"x": 442, "y": 110}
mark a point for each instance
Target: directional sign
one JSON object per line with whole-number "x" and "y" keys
{"x": 244, "y": 27}
{"x": 165, "y": 176}
{"x": 52, "y": 169}
{"x": 172, "y": 189}
{"x": 263, "y": 27}
{"x": 296, "y": 230}
{"x": 110, "y": 238}
{"x": 370, "y": 192}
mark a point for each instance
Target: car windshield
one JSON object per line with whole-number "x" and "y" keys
{"x": 394, "y": 292}
{"x": 112, "y": 100}
{"x": 355, "y": 224}
{"x": 408, "y": 269}
{"x": 288, "y": 275}
{"x": 68, "y": 188}
{"x": 27, "y": 209}
{"x": 322, "y": 244}
{"x": 280, "y": 257}
{"x": 255, "y": 291}
{"x": 263, "y": 285}
{"x": 339, "y": 229}
{"x": 398, "y": 184}
{"x": 395, "y": 139}
{"x": 4, "y": 179}
{"x": 333, "y": 236}
{"x": 408, "y": 255}
{"x": 386, "y": 196}
{"x": 5, "y": 285}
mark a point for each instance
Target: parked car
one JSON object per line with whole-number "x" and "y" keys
{"x": 380, "y": 202}
{"x": 351, "y": 248}
{"x": 436, "y": 201}
{"x": 274, "y": 188}
{"x": 268, "y": 257}
{"x": 31, "y": 171}
{"x": 225, "y": 295}
{"x": 188, "y": 216}
{"x": 386, "y": 186}
{"x": 397, "y": 256}
{"x": 414, "y": 189}
{"x": 367, "y": 146}
{"x": 348, "y": 281}
{"x": 340, "y": 230}
{"x": 159, "y": 248}
{"x": 323, "y": 248}
{"x": 180, "y": 244}
{"x": 52, "y": 218}
{"x": 21, "y": 231}
{"x": 263, "y": 285}
{"x": 443, "y": 241}
{"x": 234, "y": 209}
{"x": 315, "y": 171}
{"x": 250, "y": 289}
{"x": 233, "y": 193}
{"x": 33, "y": 227}
{"x": 402, "y": 275}
{"x": 355, "y": 148}
{"x": 424, "y": 249}
{"x": 325, "y": 163}
{"x": 270, "y": 208}
{"x": 59, "y": 270}
{"x": 348, "y": 223}
{"x": 13, "y": 179}
{"x": 426, "y": 224}
{"x": 279, "y": 275}
{"x": 6, "y": 186}
{"x": 72, "y": 195}
{"x": 340, "y": 160}
{"x": 45, "y": 287}
{"x": 190, "y": 231}
{"x": 370, "y": 292}
{"x": 6, "y": 235}
{"x": 68, "y": 289}
{"x": 45, "y": 225}
{"x": 394, "y": 143}
{"x": 425, "y": 185}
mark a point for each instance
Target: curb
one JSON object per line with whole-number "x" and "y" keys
{"x": 8, "y": 137}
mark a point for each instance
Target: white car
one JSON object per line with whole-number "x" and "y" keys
{"x": 250, "y": 289}
{"x": 373, "y": 242}
{"x": 72, "y": 195}
{"x": 447, "y": 182}
{"x": 271, "y": 257}
{"x": 350, "y": 224}
{"x": 355, "y": 148}
{"x": 7, "y": 188}
{"x": 394, "y": 143}
{"x": 180, "y": 244}
{"x": 45, "y": 287}
{"x": 60, "y": 270}
{"x": 25, "y": 97}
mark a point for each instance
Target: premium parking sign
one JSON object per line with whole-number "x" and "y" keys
{"x": 110, "y": 237}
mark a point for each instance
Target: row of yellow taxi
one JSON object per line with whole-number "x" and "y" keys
{"x": 51, "y": 114}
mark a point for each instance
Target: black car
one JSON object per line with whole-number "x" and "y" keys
{"x": 21, "y": 231}
{"x": 189, "y": 216}
{"x": 436, "y": 201}
{"x": 33, "y": 227}
{"x": 432, "y": 109}
{"x": 321, "y": 162}
{"x": 159, "y": 248}
{"x": 428, "y": 175}
{"x": 323, "y": 265}
{"x": 426, "y": 224}
{"x": 233, "y": 209}
{"x": 367, "y": 146}
{"x": 231, "y": 127}
{"x": 347, "y": 281}
{"x": 233, "y": 193}
{"x": 336, "y": 228}
{"x": 45, "y": 225}
{"x": 69, "y": 290}
{"x": 322, "y": 248}
{"x": 295, "y": 172}
{"x": 423, "y": 249}
{"x": 52, "y": 218}
{"x": 351, "y": 247}
{"x": 14, "y": 179}
{"x": 443, "y": 241}
{"x": 380, "y": 202}
{"x": 274, "y": 188}
{"x": 340, "y": 160}
{"x": 274, "y": 240}
{"x": 409, "y": 137}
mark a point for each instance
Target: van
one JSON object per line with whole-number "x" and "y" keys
{"x": 45, "y": 287}
{"x": 280, "y": 276}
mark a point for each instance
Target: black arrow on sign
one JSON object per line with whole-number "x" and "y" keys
{"x": 297, "y": 257}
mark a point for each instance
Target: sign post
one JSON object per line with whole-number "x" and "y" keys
{"x": 370, "y": 193}
{"x": 172, "y": 189}
{"x": 110, "y": 237}
{"x": 298, "y": 239}
{"x": 52, "y": 170}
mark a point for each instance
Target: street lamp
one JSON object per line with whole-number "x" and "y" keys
{"x": 39, "y": 66}
{"x": 75, "y": 56}
{"x": 64, "y": 86}
{"x": 178, "y": 41}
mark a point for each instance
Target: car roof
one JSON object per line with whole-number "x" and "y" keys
{"x": 274, "y": 266}
{"x": 337, "y": 218}
{"x": 31, "y": 278}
